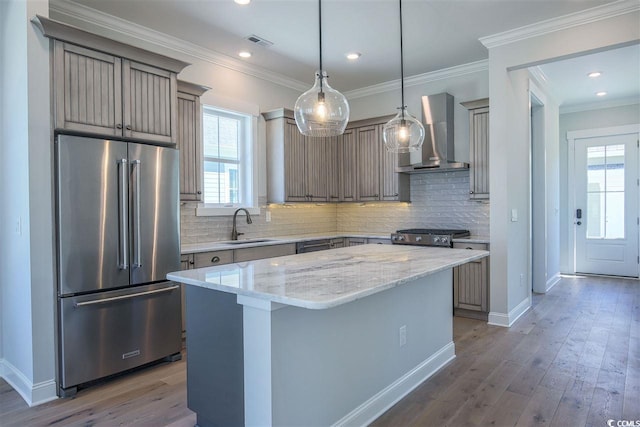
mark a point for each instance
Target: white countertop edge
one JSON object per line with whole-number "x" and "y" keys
{"x": 472, "y": 239}
{"x": 224, "y": 245}
{"x": 323, "y": 305}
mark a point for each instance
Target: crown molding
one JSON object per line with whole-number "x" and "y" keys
{"x": 126, "y": 28}
{"x": 600, "y": 105}
{"x": 594, "y": 14}
{"x": 420, "y": 79}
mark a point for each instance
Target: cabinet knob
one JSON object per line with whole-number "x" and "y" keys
{"x": 119, "y": 126}
{"x": 199, "y": 192}
{"x": 395, "y": 195}
{"x": 191, "y": 262}
{"x": 471, "y": 192}
{"x": 128, "y": 127}
{"x": 215, "y": 259}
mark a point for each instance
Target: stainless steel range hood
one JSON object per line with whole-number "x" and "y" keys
{"x": 437, "y": 151}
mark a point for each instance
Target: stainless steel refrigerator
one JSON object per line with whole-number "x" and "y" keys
{"x": 117, "y": 238}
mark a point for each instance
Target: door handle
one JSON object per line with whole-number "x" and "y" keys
{"x": 122, "y": 216}
{"x": 579, "y": 213}
{"x": 137, "y": 164}
{"x": 579, "y": 223}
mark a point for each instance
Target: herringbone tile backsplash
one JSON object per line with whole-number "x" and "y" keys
{"x": 439, "y": 200}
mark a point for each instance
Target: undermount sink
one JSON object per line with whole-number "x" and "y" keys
{"x": 244, "y": 242}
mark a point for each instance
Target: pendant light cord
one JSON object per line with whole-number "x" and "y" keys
{"x": 320, "y": 41}
{"x": 401, "y": 63}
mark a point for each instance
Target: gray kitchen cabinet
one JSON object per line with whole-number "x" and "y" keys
{"x": 368, "y": 155}
{"x": 348, "y": 166}
{"x": 189, "y": 140}
{"x": 213, "y": 258}
{"x": 106, "y": 95}
{"x": 471, "y": 285}
{"x": 87, "y": 90}
{"x": 298, "y": 167}
{"x": 375, "y": 168}
{"x": 334, "y": 169}
{"x": 379, "y": 241}
{"x": 336, "y": 243}
{"x": 262, "y": 252}
{"x": 354, "y": 241}
{"x": 479, "y": 148}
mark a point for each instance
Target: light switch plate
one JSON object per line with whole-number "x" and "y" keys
{"x": 514, "y": 215}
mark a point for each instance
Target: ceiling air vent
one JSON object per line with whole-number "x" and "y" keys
{"x": 259, "y": 40}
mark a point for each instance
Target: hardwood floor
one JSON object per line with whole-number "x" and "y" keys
{"x": 572, "y": 360}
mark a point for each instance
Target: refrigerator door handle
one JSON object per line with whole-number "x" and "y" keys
{"x": 122, "y": 216}
{"x": 139, "y": 294}
{"x": 137, "y": 263}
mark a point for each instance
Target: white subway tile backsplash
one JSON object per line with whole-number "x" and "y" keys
{"x": 438, "y": 200}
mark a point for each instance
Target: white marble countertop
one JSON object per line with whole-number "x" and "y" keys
{"x": 222, "y": 245}
{"x": 321, "y": 280}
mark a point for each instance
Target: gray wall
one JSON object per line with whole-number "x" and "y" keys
{"x": 581, "y": 120}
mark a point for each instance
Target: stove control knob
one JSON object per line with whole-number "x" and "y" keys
{"x": 444, "y": 239}
{"x": 419, "y": 239}
{"x": 436, "y": 239}
{"x": 401, "y": 238}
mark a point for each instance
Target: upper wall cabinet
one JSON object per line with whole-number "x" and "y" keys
{"x": 189, "y": 140}
{"x": 479, "y": 148}
{"x": 99, "y": 89}
{"x": 351, "y": 167}
{"x": 297, "y": 166}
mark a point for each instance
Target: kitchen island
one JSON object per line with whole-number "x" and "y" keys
{"x": 322, "y": 338}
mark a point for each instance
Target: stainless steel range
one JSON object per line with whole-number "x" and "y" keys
{"x": 427, "y": 237}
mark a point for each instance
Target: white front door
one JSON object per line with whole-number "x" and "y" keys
{"x": 606, "y": 215}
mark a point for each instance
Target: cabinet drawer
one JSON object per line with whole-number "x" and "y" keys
{"x": 209, "y": 259}
{"x": 476, "y": 246}
{"x": 261, "y": 252}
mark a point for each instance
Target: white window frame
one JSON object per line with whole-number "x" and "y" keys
{"x": 248, "y": 166}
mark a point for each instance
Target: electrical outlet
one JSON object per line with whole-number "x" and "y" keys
{"x": 267, "y": 216}
{"x": 522, "y": 279}
{"x": 402, "y": 332}
{"x": 19, "y": 226}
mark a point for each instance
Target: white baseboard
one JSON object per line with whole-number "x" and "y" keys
{"x": 552, "y": 282}
{"x": 33, "y": 394}
{"x": 366, "y": 413}
{"x": 506, "y": 320}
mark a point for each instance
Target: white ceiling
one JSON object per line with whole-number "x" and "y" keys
{"x": 437, "y": 33}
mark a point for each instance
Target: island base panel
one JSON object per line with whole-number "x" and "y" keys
{"x": 215, "y": 370}
{"x": 320, "y": 367}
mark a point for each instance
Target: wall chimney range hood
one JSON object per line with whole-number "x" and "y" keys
{"x": 437, "y": 151}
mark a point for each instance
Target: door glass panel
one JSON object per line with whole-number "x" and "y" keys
{"x": 605, "y": 192}
{"x": 595, "y": 216}
{"x": 615, "y": 216}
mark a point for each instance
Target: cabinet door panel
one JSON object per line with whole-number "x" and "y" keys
{"x": 349, "y": 166}
{"x": 87, "y": 90}
{"x": 294, "y": 163}
{"x": 317, "y": 159}
{"x": 190, "y": 147}
{"x": 368, "y": 163}
{"x": 479, "y": 144}
{"x": 470, "y": 285}
{"x": 333, "y": 169}
{"x": 149, "y": 102}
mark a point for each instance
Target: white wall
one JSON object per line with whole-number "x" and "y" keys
{"x": 592, "y": 119}
{"x": 26, "y": 251}
{"x": 509, "y": 145}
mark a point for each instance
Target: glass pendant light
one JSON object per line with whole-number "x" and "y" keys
{"x": 321, "y": 111}
{"x": 404, "y": 133}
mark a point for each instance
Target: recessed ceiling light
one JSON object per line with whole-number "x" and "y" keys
{"x": 242, "y": 1}
{"x": 603, "y": 93}
{"x": 353, "y": 55}
{"x": 594, "y": 74}
{"x": 244, "y": 54}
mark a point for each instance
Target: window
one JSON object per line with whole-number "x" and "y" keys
{"x": 228, "y": 153}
